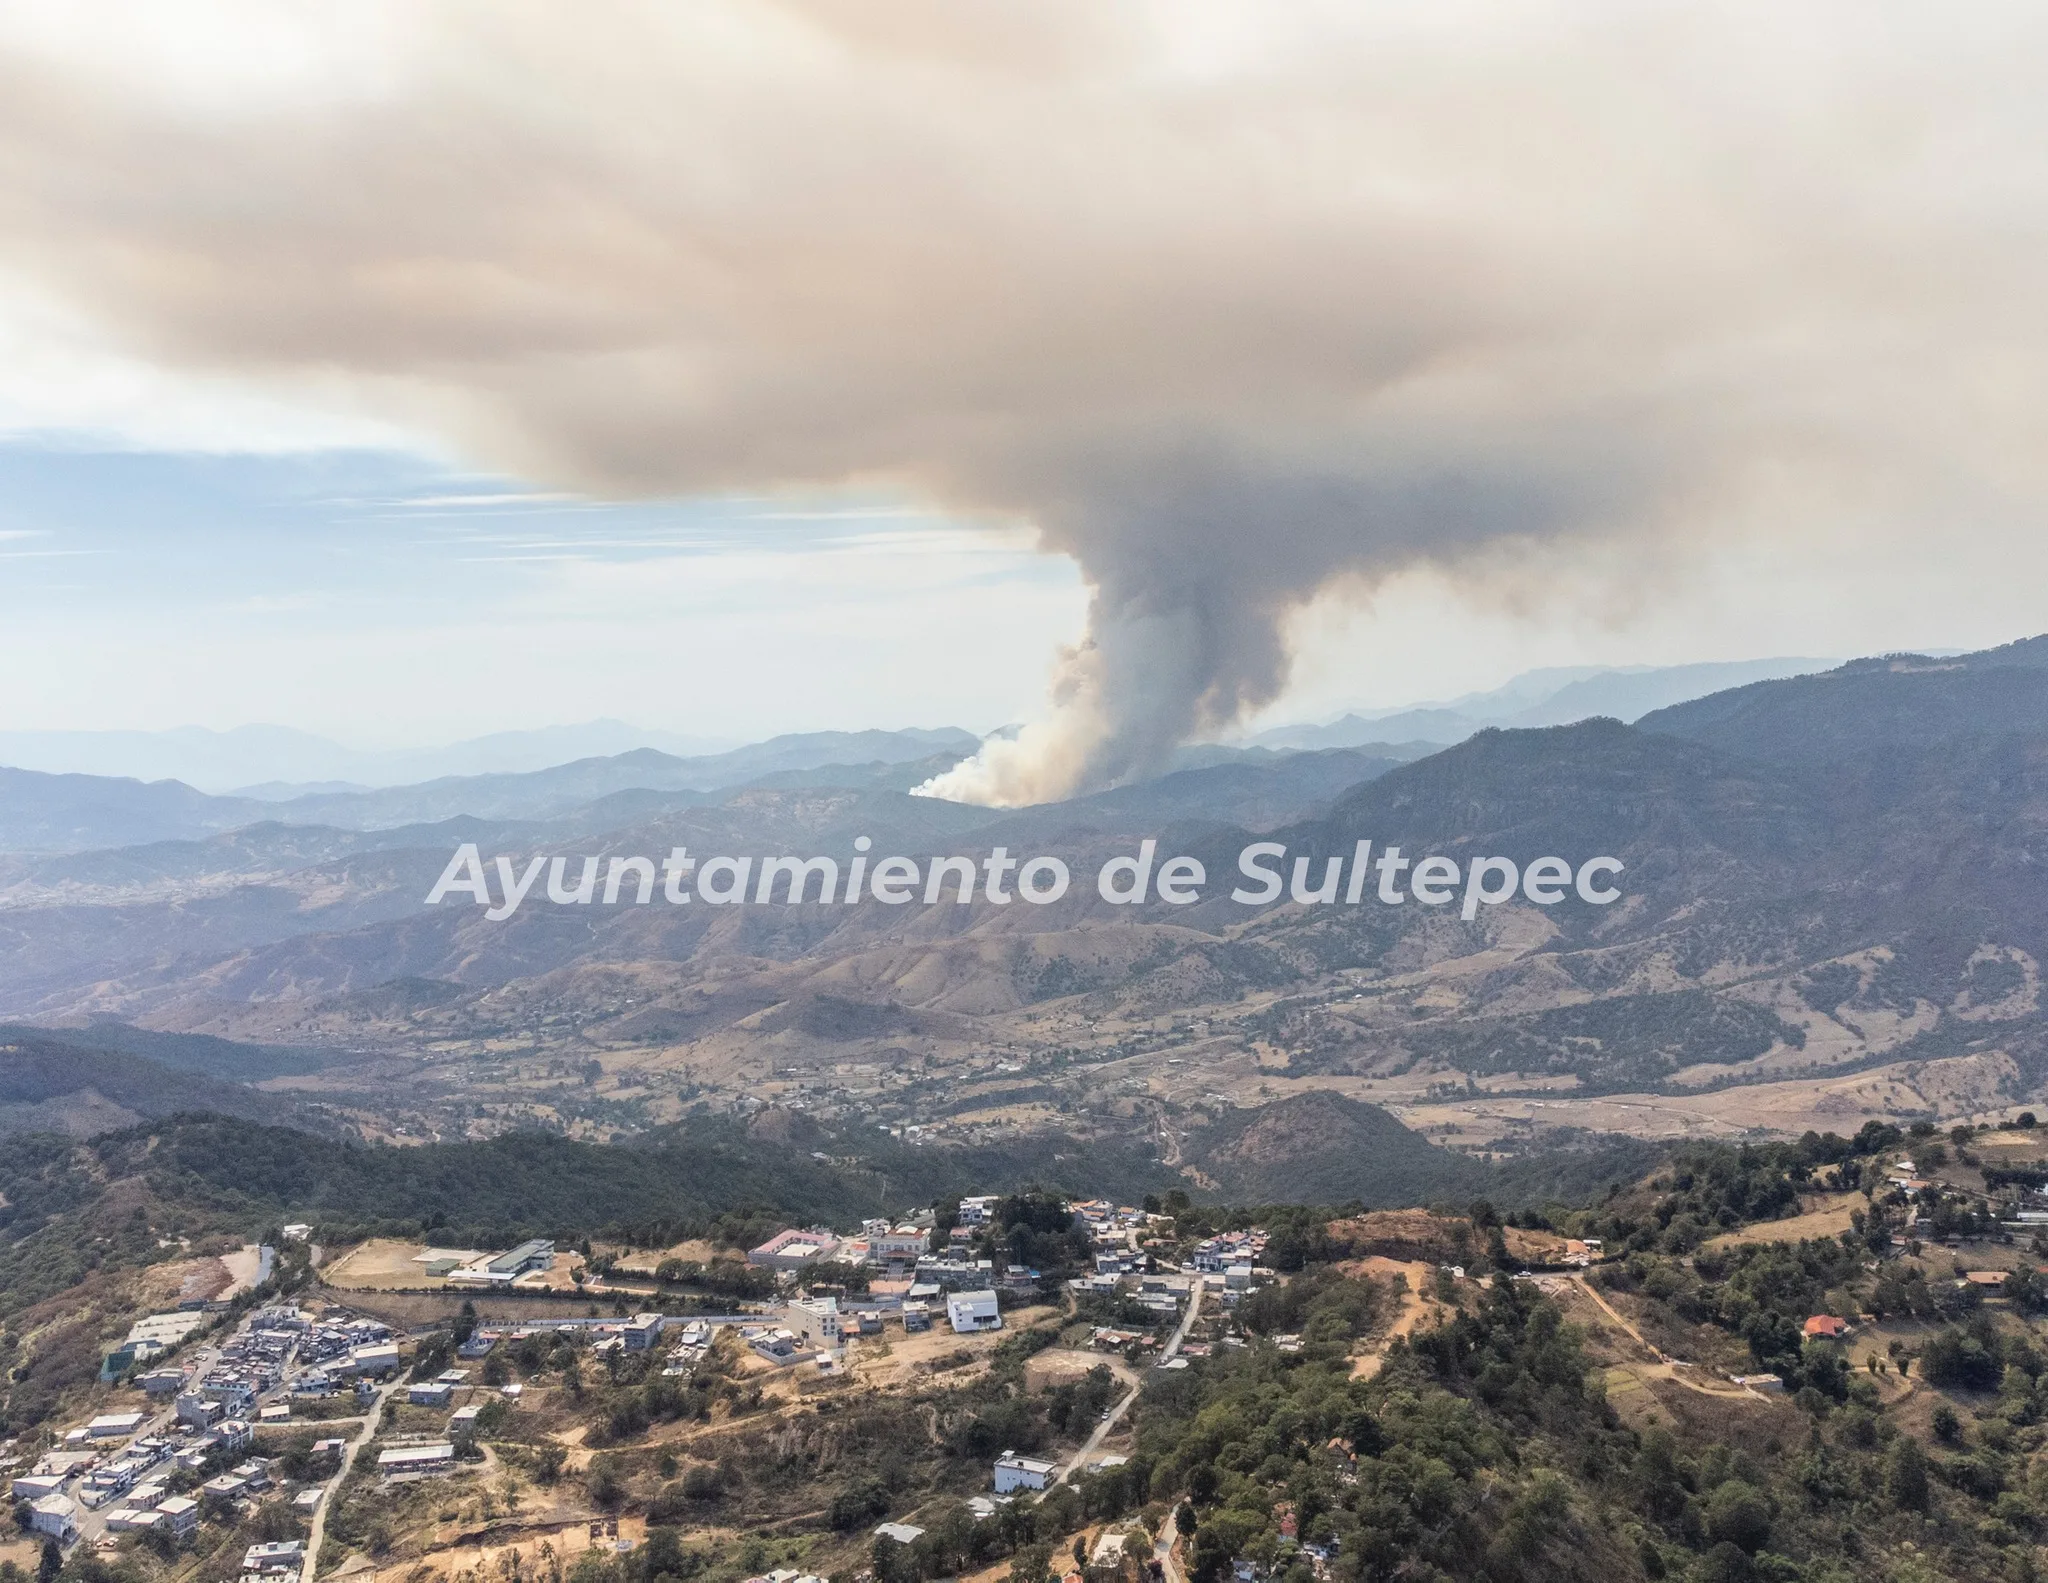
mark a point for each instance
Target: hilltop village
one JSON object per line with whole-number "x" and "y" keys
{"x": 1023, "y": 1386}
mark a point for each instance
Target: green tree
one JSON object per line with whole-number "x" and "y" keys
{"x": 1737, "y": 1515}
{"x": 1905, "y": 1475}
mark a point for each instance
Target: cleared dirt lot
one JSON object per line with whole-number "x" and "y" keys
{"x": 1060, "y": 1364}
{"x": 1822, "y": 1217}
{"x": 380, "y": 1265}
{"x": 909, "y": 1356}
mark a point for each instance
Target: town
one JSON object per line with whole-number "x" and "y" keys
{"x": 221, "y": 1417}
{"x": 410, "y": 1411}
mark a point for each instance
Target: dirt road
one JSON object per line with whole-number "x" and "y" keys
{"x": 1115, "y": 1416}
{"x": 1662, "y": 1366}
{"x": 363, "y": 1436}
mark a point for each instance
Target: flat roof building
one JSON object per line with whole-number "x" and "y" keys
{"x": 1022, "y": 1473}
{"x": 416, "y": 1459}
{"x": 56, "y": 1516}
{"x": 972, "y": 1312}
{"x": 792, "y": 1250}
{"x": 536, "y": 1253}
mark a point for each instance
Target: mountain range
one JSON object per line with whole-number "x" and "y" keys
{"x": 1831, "y": 911}
{"x": 1553, "y": 697}
{"x": 272, "y": 763}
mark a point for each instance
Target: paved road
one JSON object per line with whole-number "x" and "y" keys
{"x": 1162, "y": 1551}
{"x": 1116, "y": 1414}
{"x": 348, "y": 1458}
{"x": 92, "y": 1521}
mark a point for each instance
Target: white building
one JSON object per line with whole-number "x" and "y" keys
{"x": 56, "y": 1516}
{"x": 378, "y": 1358}
{"x": 1022, "y": 1473}
{"x": 904, "y": 1245}
{"x": 816, "y": 1319}
{"x": 971, "y": 1312}
{"x": 284, "y": 1555}
{"x": 416, "y": 1459}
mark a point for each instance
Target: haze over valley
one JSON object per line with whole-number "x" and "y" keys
{"x": 1826, "y": 919}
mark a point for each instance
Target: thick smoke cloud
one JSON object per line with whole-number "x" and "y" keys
{"x": 1229, "y": 303}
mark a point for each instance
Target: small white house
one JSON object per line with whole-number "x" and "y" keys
{"x": 283, "y": 1556}
{"x": 1022, "y": 1473}
{"x": 972, "y": 1312}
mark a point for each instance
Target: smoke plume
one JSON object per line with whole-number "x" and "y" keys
{"x": 1230, "y": 302}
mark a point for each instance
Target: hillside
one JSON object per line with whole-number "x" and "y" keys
{"x": 1897, "y": 701}
{"x": 55, "y": 1082}
{"x": 69, "y": 813}
{"x": 1801, "y": 944}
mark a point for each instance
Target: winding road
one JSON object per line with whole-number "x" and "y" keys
{"x": 1116, "y": 1414}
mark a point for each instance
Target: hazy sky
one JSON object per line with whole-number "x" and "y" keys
{"x": 1225, "y": 363}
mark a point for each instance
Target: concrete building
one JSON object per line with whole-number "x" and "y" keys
{"x": 281, "y": 1557}
{"x": 417, "y": 1459}
{"x": 817, "y": 1321}
{"x": 792, "y": 1250}
{"x": 55, "y": 1516}
{"x": 378, "y": 1358}
{"x": 181, "y": 1516}
{"x": 641, "y": 1332}
{"x": 429, "y": 1393}
{"x": 222, "y": 1489}
{"x": 972, "y": 1312}
{"x": 1022, "y": 1473}
{"x": 903, "y": 1245}
{"x": 502, "y": 1269}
